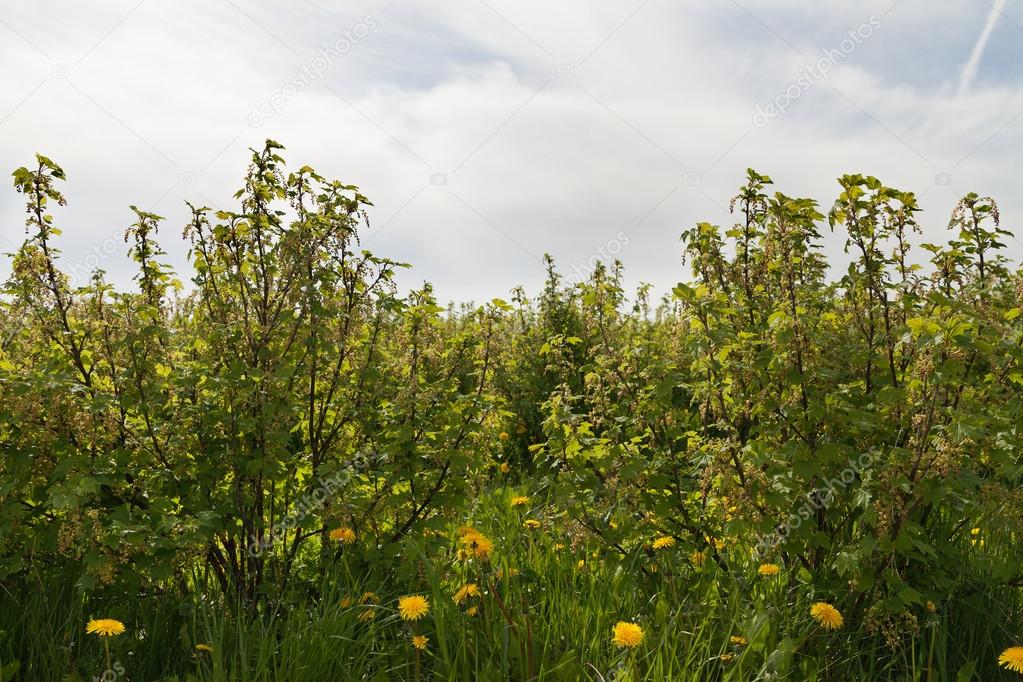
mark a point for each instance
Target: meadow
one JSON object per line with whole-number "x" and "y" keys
{"x": 285, "y": 469}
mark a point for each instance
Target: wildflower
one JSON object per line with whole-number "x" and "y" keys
{"x": 519, "y": 500}
{"x": 503, "y": 435}
{"x": 931, "y": 607}
{"x": 558, "y": 546}
{"x": 368, "y": 597}
{"x": 419, "y": 642}
{"x": 346, "y": 602}
{"x": 465, "y": 592}
{"x": 1012, "y": 659}
{"x": 738, "y": 640}
{"x": 520, "y": 429}
{"x": 697, "y": 558}
{"x": 726, "y": 658}
{"x": 628, "y": 635}
{"x": 512, "y": 572}
{"x": 768, "y": 569}
{"x": 532, "y": 524}
{"x": 505, "y": 467}
{"x": 367, "y": 615}
{"x": 827, "y": 615}
{"x": 104, "y": 627}
{"x": 413, "y": 607}
{"x": 471, "y": 611}
{"x": 481, "y": 546}
{"x": 477, "y": 544}
{"x": 204, "y": 647}
{"x": 581, "y": 565}
{"x": 344, "y": 534}
{"x": 664, "y": 542}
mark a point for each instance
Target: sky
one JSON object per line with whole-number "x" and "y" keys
{"x": 489, "y": 132}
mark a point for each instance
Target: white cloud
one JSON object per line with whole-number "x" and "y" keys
{"x": 158, "y": 113}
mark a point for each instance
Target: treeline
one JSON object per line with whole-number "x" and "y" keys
{"x": 864, "y": 431}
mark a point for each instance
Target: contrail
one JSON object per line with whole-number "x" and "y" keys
{"x": 970, "y": 70}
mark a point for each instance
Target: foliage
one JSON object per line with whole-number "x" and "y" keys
{"x": 288, "y": 431}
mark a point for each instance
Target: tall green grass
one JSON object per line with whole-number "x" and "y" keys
{"x": 550, "y": 621}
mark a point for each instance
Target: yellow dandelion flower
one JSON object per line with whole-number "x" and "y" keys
{"x": 367, "y": 615}
{"x": 827, "y": 615}
{"x": 975, "y": 531}
{"x": 627, "y": 635}
{"x": 478, "y": 544}
{"x": 505, "y": 468}
{"x": 344, "y": 535}
{"x": 471, "y": 611}
{"x": 465, "y": 592}
{"x": 1012, "y": 659}
{"x": 726, "y": 658}
{"x": 768, "y": 569}
{"x": 346, "y": 602}
{"x": 419, "y": 642}
{"x": 519, "y": 500}
{"x": 104, "y": 627}
{"x": 482, "y": 547}
{"x": 413, "y": 607}
{"x": 558, "y": 546}
{"x": 204, "y": 647}
{"x": 738, "y": 640}
{"x": 368, "y": 597}
{"x": 503, "y": 435}
{"x": 581, "y": 565}
{"x": 512, "y": 572}
{"x": 931, "y": 607}
{"x": 697, "y": 558}
{"x": 664, "y": 542}
{"x": 532, "y": 524}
